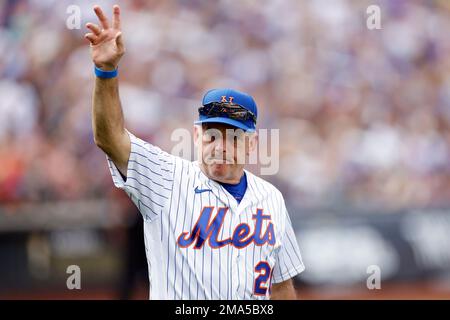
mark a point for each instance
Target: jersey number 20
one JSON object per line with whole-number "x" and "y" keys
{"x": 264, "y": 271}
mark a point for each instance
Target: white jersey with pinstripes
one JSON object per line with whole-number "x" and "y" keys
{"x": 200, "y": 243}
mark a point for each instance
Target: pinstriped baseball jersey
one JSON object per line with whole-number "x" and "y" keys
{"x": 200, "y": 242}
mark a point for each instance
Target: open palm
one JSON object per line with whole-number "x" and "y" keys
{"x": 106, "y": 41}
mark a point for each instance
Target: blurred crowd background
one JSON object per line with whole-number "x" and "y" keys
{"x": 364, "y": 115}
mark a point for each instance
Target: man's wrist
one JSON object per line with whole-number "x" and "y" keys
{"x": 105, "y": 74}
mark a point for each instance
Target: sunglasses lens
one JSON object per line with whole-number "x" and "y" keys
{"x": 226, "y": 110}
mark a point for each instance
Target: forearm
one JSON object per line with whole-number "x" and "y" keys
{"x": 107, "y": 116}
{"x": 108, "y": 123}
{"x": 283, "y": 291}
{"x": 285, "y": 295}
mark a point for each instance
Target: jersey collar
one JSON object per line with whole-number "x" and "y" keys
{"x": 253, "y": 195}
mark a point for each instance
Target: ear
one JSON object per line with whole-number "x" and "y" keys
{"x": 252, "y": 142}
{"x": 197, "y": 134}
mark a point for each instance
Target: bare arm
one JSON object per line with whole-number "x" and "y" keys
{"x": 283, "y": 291}
{"x": 107, "y": 117}
{"x": 108, "y": 123}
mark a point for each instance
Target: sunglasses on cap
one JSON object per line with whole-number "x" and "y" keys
{"x": 227, "y": 110}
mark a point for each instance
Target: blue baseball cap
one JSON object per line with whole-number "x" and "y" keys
{"x": 226, "y": 95}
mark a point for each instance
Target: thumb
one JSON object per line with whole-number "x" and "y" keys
{"x": 119, "y": 42}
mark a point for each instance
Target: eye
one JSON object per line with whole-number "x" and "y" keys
{"x": 238, "y": 137}
{"x": 207, "y": 137}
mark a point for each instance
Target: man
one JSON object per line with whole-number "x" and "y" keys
{"x": 212, "y": 229}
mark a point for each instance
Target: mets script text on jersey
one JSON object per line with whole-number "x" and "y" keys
{"x": 205, "y": 229}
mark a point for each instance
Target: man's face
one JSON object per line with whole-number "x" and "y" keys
{"x": 223, "y": 150}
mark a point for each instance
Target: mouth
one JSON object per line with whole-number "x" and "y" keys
{"x": 219, "y": 161}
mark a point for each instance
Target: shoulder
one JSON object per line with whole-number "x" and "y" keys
{"x": 272, "y": 201}
{"x": 145, "y": 149}
{"x": 265, "y": 185}
{"x": 183, "y": 168}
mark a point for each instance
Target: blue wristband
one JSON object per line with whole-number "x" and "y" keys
{"x": 105, "y": 74}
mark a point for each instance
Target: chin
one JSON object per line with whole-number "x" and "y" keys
{"x": 219, "y": 170}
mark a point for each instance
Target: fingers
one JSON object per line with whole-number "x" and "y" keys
{"x": 119, "y": 43}
{"x": 116, "y": 17}
{"x": 91, "y": 37}
{"x": 94, "y": 28}
{"x": 103, "y": 20}
{"x": 98, "y": 33}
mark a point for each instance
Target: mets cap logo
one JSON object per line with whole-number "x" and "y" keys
{"x": 224, "y": 99}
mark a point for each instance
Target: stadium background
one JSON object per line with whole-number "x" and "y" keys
{"x": 364, "y": 119}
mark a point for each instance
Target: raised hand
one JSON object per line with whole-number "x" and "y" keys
{"x": 106, "y": 41}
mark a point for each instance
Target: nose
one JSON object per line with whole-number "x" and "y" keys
{"x": 219, "y": 145}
